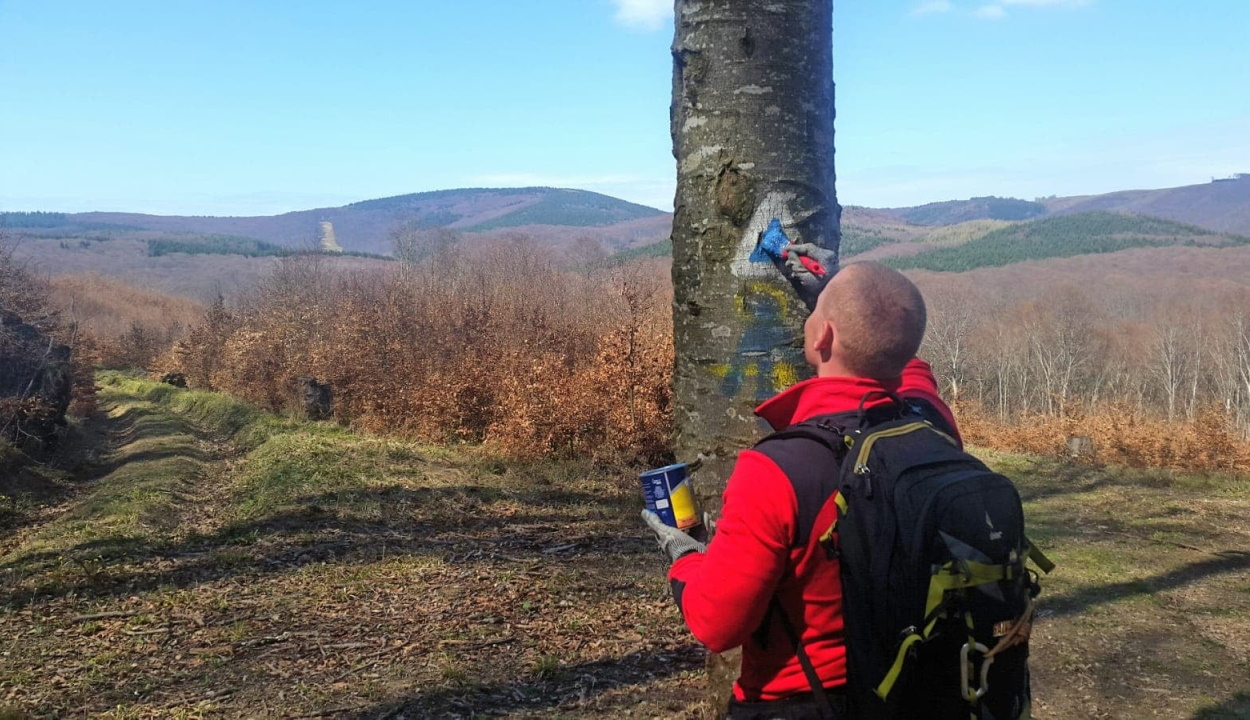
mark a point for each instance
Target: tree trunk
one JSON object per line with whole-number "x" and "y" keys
{"x": 752, "y": 126}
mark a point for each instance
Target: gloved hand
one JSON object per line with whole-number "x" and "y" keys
{"x": 808, "y": 267}
{"x": 673, "y": 542}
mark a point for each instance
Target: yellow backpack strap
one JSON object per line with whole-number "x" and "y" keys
{"x": 951, "y": 576}
{"x": 1039, "y": 558}
{"x": 883, "y": 690}
{"x": 840, "y": 500}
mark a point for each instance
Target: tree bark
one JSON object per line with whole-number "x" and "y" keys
{"x": 752, "y": 126}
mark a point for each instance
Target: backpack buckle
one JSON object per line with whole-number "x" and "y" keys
{"x": 973, "y": 695}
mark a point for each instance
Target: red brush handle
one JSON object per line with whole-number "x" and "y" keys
{"x": 812, "y": 266}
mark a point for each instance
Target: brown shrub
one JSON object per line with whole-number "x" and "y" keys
{"x": 1122, "y": 435}
{"x": 502, "y": 347}
{"x": 40, "y": 375}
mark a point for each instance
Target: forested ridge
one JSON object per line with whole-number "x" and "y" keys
{"x": 1063, "y": 236}
{"x": 192, "y": 244}
{"x": 981, "y": 208}
{"x": 215, "y": 245}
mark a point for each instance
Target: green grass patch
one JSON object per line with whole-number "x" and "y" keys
{"x": 139, "y": 495}
{"x": 220, "y": 414}
{"x": 291, "y": 466}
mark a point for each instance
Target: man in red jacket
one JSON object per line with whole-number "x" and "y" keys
{"x": 766, "y": 567}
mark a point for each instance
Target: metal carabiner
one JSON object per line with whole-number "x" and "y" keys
{"x": 969, "y": 694}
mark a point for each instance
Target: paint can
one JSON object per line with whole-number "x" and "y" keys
{"x": 667, "y": 493}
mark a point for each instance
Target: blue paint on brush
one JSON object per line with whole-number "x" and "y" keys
{"x": 771, "y": 244}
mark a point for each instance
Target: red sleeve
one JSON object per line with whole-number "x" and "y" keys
{"x": 918, "y": 382}
{"x": 724, "y": 593}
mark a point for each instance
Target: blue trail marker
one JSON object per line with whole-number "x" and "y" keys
{"x": 771, "y": 244}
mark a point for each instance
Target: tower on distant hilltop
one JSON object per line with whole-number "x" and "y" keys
{"x": 325, "y": 238}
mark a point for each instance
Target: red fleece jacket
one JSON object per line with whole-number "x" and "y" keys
{"x": 725, "y": 593}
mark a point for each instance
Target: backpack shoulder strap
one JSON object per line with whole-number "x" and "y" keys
{"x": 823, "y": 705}
{"x": 810, "y": 455}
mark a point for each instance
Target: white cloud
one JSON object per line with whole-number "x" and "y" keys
{"x": 998, "y": 9}
{"x": 932, "y": 7}
{"x": 644, "y": 14}
{"x": 990, "y": 12}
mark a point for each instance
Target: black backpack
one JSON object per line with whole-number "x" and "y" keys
{"x": 937, "y": 601}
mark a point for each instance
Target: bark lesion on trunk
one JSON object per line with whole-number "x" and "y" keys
{"x": 734, "y": 194}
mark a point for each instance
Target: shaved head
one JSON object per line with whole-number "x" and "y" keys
{"x": 877, "y": 321}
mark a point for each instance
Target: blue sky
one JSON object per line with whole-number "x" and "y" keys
{"x": 244, "y": 107}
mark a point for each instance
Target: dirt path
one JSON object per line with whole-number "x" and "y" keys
{"x": 219, "y": 566}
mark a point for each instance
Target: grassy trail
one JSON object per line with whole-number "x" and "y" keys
{"x": 225, "y": 563}
{"x": 1148, "y": 614}
{"x": 219, "y": 562}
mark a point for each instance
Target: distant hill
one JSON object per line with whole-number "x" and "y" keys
{"x": 365, "y": 226}
{"x": 1221, "y": 205}
{"x": 1057, "y": 237}
{"x": 953, "y": 212}
{"x": 945, "y": 233}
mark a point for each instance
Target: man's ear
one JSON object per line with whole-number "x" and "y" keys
{"x": 825, "y": 337}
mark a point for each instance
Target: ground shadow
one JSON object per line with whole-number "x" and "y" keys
{"x": 564, "y": 685}
{"x": 1236, "y": 708}
{"x": 35, "y": 479}
{"x": 322, "y": 528}
{"x": 1071, "y": 477}
{"x": 1085, "y": 598}
{"x": 1064, "y": 479}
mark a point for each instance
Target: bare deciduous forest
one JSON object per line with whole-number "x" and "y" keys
{"x": 515, "y": 349}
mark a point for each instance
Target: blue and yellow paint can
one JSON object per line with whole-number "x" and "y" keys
{"x": 667, "y": 493}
